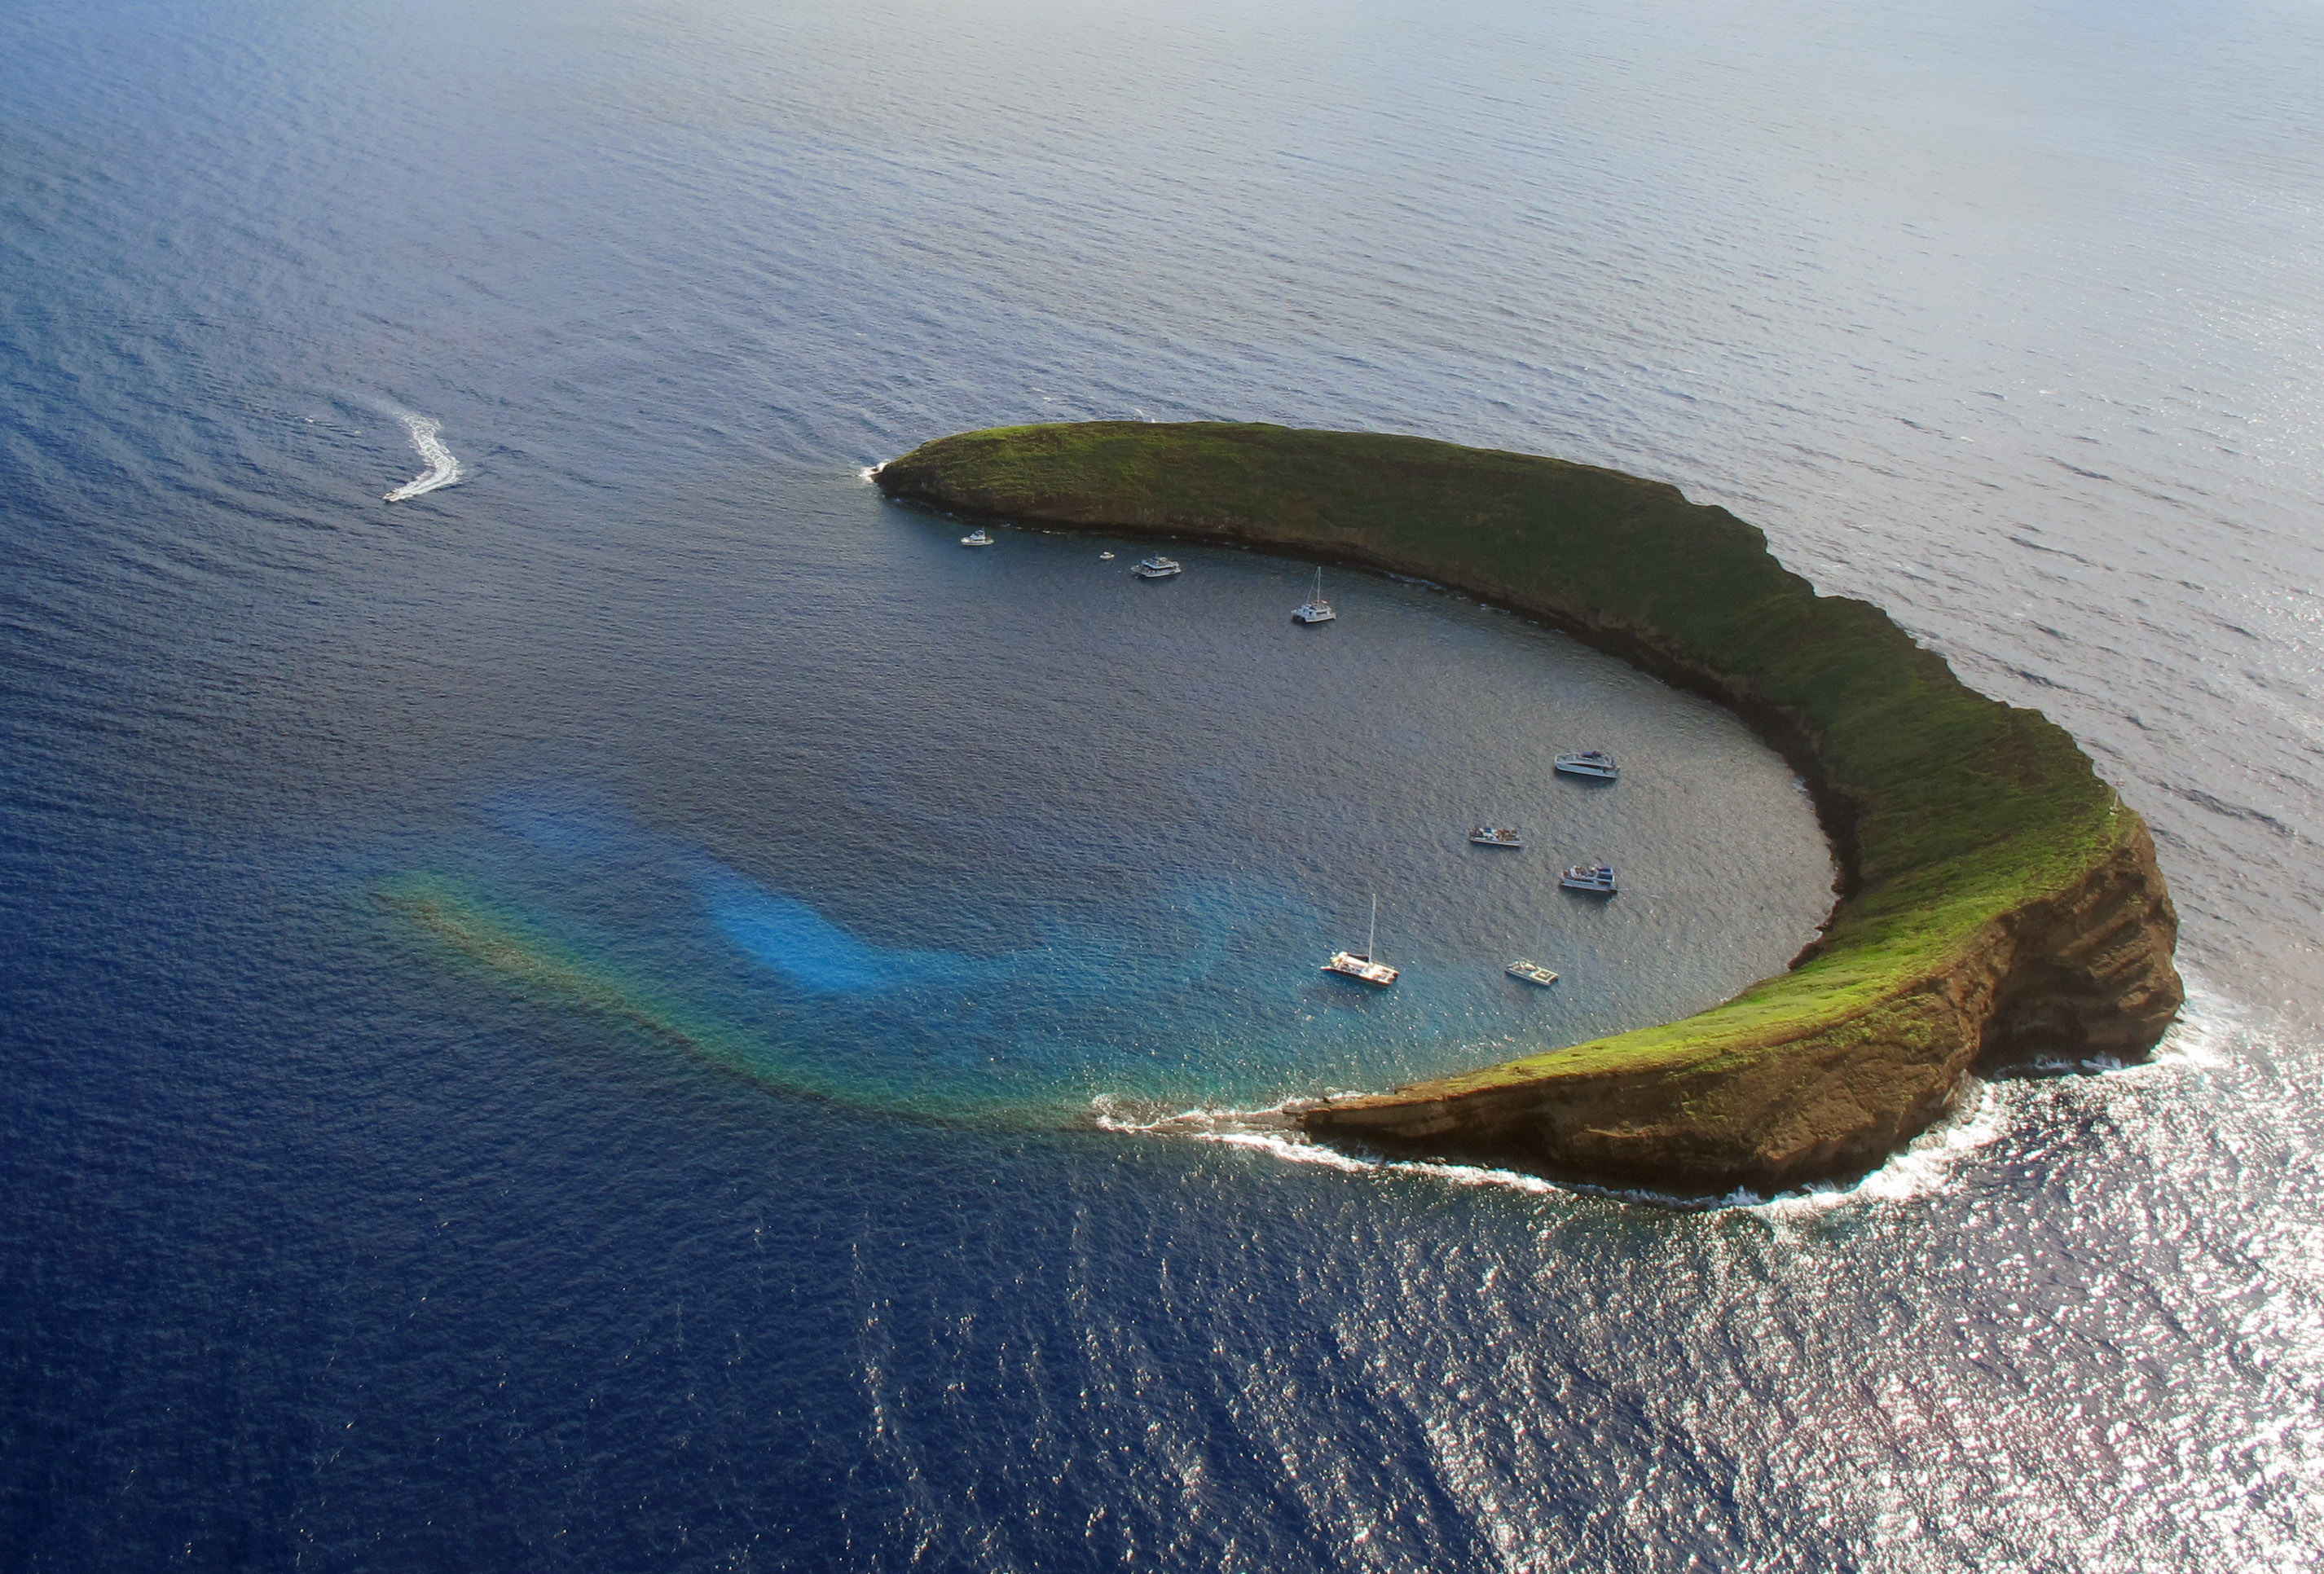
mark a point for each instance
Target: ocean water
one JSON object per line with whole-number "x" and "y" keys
{"x": 582, "y": 993}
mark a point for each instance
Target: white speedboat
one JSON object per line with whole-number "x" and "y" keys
{"x": 1593, "y": 877}
{"x": 1496, "y": 836}
{"x": 1532, "y": 973}
{"x": 1362, "y": 965}
{"x": 1158, "y": 568}
{"x": 1105, "y": 557}
{"x": 1315, "y": 609}
{"x": 1590, "y": 762}
{"x": 979, "y": 537}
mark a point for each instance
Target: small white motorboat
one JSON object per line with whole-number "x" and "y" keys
{"x": 1315, "y": 609}
{"x": 1158, "y": 568}
{"x": 1590, "y": 762}
{"x": 1361, "y": 965}
{"x": 1595, "y": 879}
{"x": 1497, "y": 836}
{"x": 1105, "y": 557}
{"x": 979, "y": 537}
{"x": 1532, "y": 973}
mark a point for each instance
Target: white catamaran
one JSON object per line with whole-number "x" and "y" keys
{"x": 1362, "y": 967}
{"x": 1315, "y": 609}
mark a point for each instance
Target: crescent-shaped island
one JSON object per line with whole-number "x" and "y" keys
{"x": 1998, "y": 905}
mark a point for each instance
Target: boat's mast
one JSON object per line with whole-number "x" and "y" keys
{"x": 1371, "y": 936}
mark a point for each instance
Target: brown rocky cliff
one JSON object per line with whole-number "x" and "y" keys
{"x": 2083, "y": 975}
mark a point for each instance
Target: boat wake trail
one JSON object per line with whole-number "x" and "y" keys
{"x": 443, "y": 467}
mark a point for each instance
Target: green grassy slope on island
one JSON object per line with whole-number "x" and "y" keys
{"x": 1996, "y": 892}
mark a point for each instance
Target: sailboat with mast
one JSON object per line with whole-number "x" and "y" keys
{"x": 1315, "y": 609}
{"x": 1361, "y": 966}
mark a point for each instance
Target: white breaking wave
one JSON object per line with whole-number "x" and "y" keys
{"x": 443, "y": 468}
{"x": 1920, "y": 1170}
{"x": 1270, "y": 1131}
{"x": 2210, "y": 1029}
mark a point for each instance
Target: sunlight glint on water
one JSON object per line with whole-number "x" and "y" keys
{"x": 435, "y": 1139}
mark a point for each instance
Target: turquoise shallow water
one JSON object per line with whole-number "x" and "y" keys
{"x": 1035, "y": 836}
{"x": 596, "y": 1017}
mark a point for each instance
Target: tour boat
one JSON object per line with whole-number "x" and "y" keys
{"x": 1593, "y": 877}
{"x": 1158, "y": 568}
{"x": 1591, "y": 763}
{"x": 978, "y": 537}
{"x": 1496, "y": 836}
{"x": 1315, "y": 609}
{"x": 1361, "y": 965}
{"x": 1532, "y": 973}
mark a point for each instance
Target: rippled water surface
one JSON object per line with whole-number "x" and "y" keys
{"x": 612, "y": 1011}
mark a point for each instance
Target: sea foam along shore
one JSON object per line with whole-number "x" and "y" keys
{"x": 1998, "y": 902}
{"x": 1979, "y": 1115}
{"x": 443, "y": 467}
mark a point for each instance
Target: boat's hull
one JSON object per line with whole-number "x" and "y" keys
{"x": 1349, "y": 965}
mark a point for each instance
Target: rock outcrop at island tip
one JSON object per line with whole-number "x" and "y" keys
{"x": 2082, "y": 977}
{"x": 1998, "y": 905}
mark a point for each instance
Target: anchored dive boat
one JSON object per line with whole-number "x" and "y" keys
{"x": 1158, "y": 568}
{"x": 1315, "y": 609}
{"x": 1593, "y": 763}
{"x": 1350, "y": 965}
{"x": 1496, "y": 836}
{"x": 1532, "y": 973}
{"x": 1359, "y": 965}
{"x": 1595, "y": 879}
{"x": 979, "y": 537}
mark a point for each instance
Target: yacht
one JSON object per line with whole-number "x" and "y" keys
{"x": 978, "y": 537}
{"x": 1496, "y": 836}
{"x": 1158, "y": 568}
{"x": 1532, "y": 973}
{"x": 1593, "y": 877}
{"x": 1361, "y": 965}
{"x": 1590, "y": 762}
{"x": 1315, "y": 609}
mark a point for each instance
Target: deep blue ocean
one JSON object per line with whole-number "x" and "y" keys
{"x": 638, "y": 1007}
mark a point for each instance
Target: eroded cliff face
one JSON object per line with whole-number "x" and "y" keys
{"x": 2091, "y": 978}
{"x": 2083, "y": 976}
